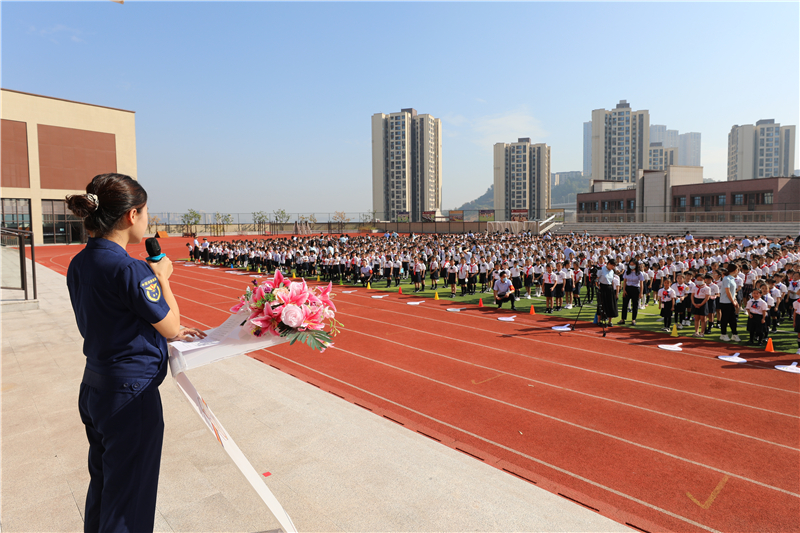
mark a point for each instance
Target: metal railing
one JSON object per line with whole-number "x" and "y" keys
{"x": 14, "y": 260}
{"x": 727, "y": 215}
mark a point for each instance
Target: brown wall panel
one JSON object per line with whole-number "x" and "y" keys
{"x": 14, "y": 155}
{"x": 69, "y": 158}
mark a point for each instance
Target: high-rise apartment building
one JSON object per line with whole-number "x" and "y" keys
{"x": 587, "y": 149}
{"x": 521, "y": 179}
{"x": 761, "y": 151}
{"x": 620, "y": 143}
{"x": 689, "y": 149}
{"x": 406, "y": 164}
{"x": 660, "y": 134}
{"x": 661, "y": 157}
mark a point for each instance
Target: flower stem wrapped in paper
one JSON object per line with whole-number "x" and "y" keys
{"x": 291, "y": 309}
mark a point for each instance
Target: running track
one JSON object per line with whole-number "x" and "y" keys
{"x": 658, "y": 440}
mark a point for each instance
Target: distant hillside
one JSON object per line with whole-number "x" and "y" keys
{"x": 486, "y": 201}
{"x": 567, "y": 189}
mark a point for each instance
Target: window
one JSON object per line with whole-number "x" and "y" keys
{"x": 680, "y": 201}
{"x": 605, "y": 206}
{"x": 597, "y": 206}
{"x": 583, "y": 206}
{"x": 697, "y": 201}
{"x": 721, "y": 199}
{"x": 17, "y": 213}
{"x": 738, "y": 199}
{"x": 631, "y": 204}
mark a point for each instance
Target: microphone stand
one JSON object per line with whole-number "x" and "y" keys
{"x": 600, "y": 310}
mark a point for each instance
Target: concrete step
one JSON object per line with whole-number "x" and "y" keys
{"x": 697, "y": 229}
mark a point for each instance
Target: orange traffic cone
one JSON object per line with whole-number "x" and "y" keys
{"x": 436, "y": 295}
{"x": 480, "y": 302}
{"x": 399, "y": 290}
{"x": 533, "y": 311}
{"x": 769, "y": 347}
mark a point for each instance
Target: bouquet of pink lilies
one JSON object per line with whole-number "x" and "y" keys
{"x": 292, "y": 309}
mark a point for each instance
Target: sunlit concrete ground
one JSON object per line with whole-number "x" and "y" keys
{"x": 334, "y": 466}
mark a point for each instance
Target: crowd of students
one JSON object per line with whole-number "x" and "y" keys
{"x": 705, "y": 283}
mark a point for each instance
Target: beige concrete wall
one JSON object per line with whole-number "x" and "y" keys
{"x": 378, "y": 156}
{"x": 500, "y": 180}
{"x": 35, "y": 110}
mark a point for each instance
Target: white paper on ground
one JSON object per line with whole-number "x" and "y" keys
{"x": 793, "y": 368}
{"x": 507, "y": 318}
{"x": 565, "y": 327}
{"x": 456, "y": 309}
{"x": 732, "y": 358}
{"x": 379, "y": 297}
{"x": 415, "y": 303}
{"x": 671, "y": 347}
{"x": 348, "y": 292}
{"x": 233, "y": 340}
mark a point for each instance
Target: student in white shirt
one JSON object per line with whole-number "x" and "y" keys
{"x": 756, "y": 316}
{"x": 699, "y": 301}
{"x": 666, "y": 299}
{"x": 472, "y": 275}
{"x": 549, "y": 281}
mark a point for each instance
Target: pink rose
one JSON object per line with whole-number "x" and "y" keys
{"x": 292, "y": 316}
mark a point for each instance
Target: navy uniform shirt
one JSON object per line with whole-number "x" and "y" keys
{"x": 116, "y": 300}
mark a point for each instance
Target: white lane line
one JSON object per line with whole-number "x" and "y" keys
{"x": 503, "y": 447}
{"x": 621, "y": 439}
{"x": 705, "y": 358}
{"x": 552, "y": 362}
{"x": 573, "y": 424}
{"x": 525, "y": 378}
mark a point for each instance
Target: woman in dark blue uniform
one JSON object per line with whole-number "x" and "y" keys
{"x": 125, "y": 311}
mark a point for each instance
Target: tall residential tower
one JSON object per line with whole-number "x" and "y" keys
{"x": 620, "y": 143}
{"x": 521, "y": 179}
{"x": 406, "y": 164}
{"x": 761, "y": 151}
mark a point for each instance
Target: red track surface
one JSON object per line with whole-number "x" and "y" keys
{"x": 659, "y": 440}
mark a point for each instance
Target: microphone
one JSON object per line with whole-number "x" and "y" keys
{"x": 154, "y": 250}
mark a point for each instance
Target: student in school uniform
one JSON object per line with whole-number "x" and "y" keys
{"x": 463, "y": 272}
{"x": 538, "y": 275}
{"x": 527, "y": 277}
{"x": 387, "y": 270}
{"x": 504, "y": 291}
{"x": 756, "y": 316}
{"x": 397, "y": 266}
{"x": 549, "y": 280}
{"x": 589, "y": 278}
{"x": 666, "y": 298}
{"x": 516, "y": 278}
{"x": 699, "y": 300}
{"x": 681, "y": 294}
{"x": 483, "y": 273}
{"x": 434, "y": 273}
{"x": 713, "y": 299}
{"x": 774, "y": 315}
{"x": 418, "y": 273}
{"x": 452, "y": 274}
{"x": 633, "y": 282}
{"x": 472, "y": 275}
{"x": 558, "y": 289}
{"x": 577, "y": 283}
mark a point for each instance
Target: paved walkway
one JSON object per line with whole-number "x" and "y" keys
{"x": 334, "y": 466}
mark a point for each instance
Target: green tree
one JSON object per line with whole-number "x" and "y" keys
{"x": 190, "y": 219}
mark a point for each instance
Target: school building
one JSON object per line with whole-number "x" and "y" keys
{"x": 678, "y": 194}
{"x": 52, "y": 148}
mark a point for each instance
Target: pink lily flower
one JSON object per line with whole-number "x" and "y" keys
{"x": 313, "y": 317}
{"x": 297, "y": 295}
{"x": 324, "y": 296}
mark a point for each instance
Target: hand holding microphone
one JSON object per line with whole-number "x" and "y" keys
{"x": 158, "y": 261}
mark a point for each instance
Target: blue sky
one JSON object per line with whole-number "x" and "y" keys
{"x": 261, "y": 106}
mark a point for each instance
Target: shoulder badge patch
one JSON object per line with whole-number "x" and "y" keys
{"x": 151, "y": 288}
